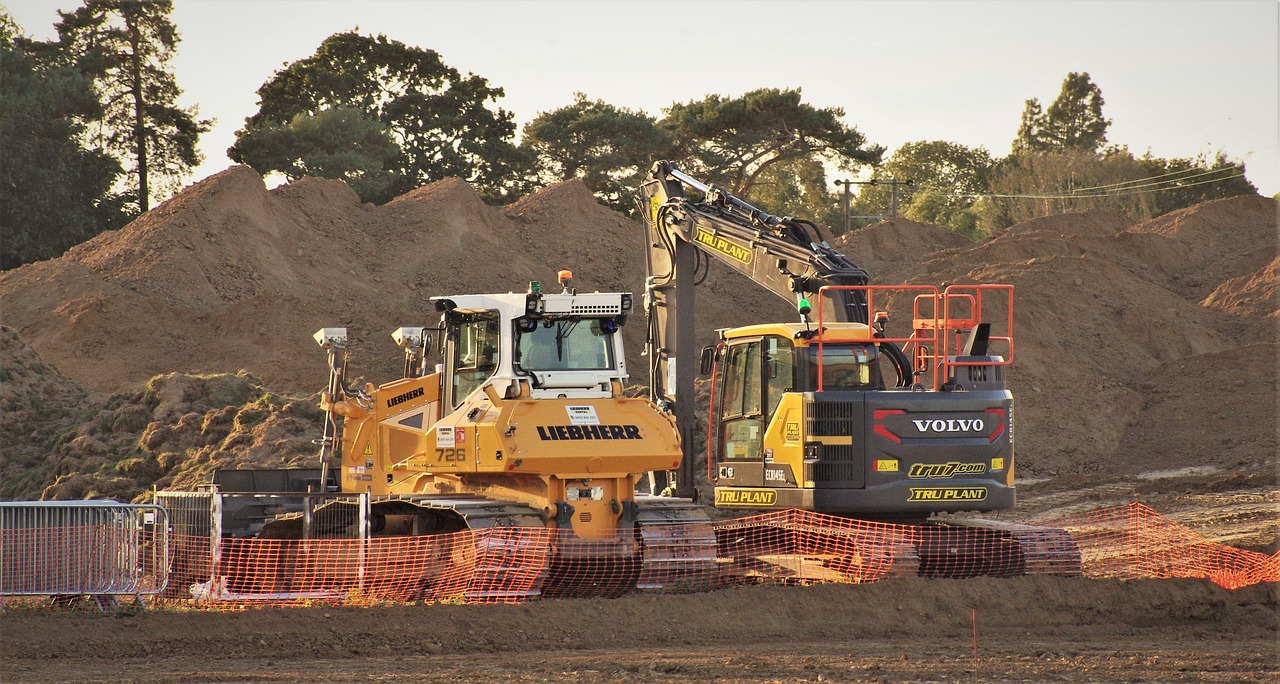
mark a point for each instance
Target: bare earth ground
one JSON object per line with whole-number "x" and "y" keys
{"x": 1032, "y": 629}
{"x": 1146, "y": 372}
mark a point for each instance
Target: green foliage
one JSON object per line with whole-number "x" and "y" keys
{"x": 1029, "y": 186}
{"x": 1180, "y": 183}
{"x": 734, "y": 142}
{"x": 125, "y": 47}
{"x": 340, "y": 143}
{"x": 54, "y": 193}
{"x": 442, "y": 120}
{"x": 1073, "y": 122}
{"x": 946, "y": 179}
{"x": 610, "y": 149}
{"x": 799, "y": 187}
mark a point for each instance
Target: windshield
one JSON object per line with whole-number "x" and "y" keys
{"x": 565, "y": 344}
{"x": 845, "y": 367}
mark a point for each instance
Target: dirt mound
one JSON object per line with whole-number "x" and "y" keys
{"x": 887, "y": 247}
{"x": 229, "y": 276}
{"x": 59, "y": 442}
{"x": 38, "y": 405}
{"x": 176, "y": 431}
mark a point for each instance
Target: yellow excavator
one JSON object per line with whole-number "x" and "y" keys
{"x": 839, "y": 412}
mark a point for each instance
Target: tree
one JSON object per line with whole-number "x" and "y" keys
{"x": 53, "y": 193}
{"x": 340, "y": 143}
{"x": 125, "y": 46}
{"x": 440, "y": 119}
{"x": 734, "y": 142}
{"x": 1073, "y": 122}
{"x": 610, "y": 148}
{"x": 1180, "y": 183}
{"x": 799, "y": 187}
{"x": 946, "y": 179}
{"x": 1027, "y": 186}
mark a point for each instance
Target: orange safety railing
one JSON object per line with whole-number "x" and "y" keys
{"x": 920, "y": 339}
{"x": 1137, "y": 542}
{"x": 940, "y": 320}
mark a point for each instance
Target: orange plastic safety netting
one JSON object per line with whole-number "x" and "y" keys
{"x": 1135, "y": 541}
{"x": 513, "y": 565}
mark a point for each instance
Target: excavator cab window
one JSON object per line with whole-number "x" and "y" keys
{"x": 565, "y": 344}
{"x": 845, "y": 367}
{"x": 779, "y": 366}
{"x": 472, "y": 349}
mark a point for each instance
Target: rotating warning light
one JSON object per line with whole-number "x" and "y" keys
{"x": 802, "y": 305}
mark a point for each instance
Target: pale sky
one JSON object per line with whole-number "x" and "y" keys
{"x": 1180, "y": 78}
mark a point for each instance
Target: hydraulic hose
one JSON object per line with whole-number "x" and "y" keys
{"x": 900, "y": 362}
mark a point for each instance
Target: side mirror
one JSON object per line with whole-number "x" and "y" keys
{"x": 707, "y": 362}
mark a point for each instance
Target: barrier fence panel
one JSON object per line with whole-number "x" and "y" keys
{"x": 83, "y": 548}
{"x": 191, "y": 526}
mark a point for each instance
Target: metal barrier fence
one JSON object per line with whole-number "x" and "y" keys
{"x": 95, "y": 549}
{"x": 208, "y": 526}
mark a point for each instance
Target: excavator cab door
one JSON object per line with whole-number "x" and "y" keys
{"x": 737, "y": 420}
{"x": 754, "y": 374}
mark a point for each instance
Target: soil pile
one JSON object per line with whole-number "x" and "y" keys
{"x": 61, "y": 443}
{"x": 229, "y": 276}
{"x": 1141, "y": 347}
{"x": 38, "y": 406}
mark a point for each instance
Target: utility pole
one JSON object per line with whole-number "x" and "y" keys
{"x": 893, "y": 194}
{"x": 845, "y": 202}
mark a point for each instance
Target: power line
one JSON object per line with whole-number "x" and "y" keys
{"x": 1147, "y": 181}
{"x": 1132, "y": 191}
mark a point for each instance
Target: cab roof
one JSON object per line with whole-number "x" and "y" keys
{"x": 831, "y": 332}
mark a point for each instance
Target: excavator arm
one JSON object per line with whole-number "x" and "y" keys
{"x": 786, "y": 256}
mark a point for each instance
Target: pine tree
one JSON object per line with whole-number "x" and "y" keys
{"x": 125, "y": 46}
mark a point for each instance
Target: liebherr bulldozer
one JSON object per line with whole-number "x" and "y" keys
{"x": 523, "y": 424}
{"x": 836, "y": 412}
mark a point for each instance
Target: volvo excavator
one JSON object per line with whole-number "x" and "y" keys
{"x": 839, "y": 412}
{"x": 523, "y": 424}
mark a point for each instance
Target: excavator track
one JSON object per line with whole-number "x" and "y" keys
{"x": 678, "y": 545}
{"x": 802, "y": 554}
{"x": 797, "y": 553}
{"x": 991, "y": 548}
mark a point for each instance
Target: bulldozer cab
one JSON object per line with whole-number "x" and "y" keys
{"x": 538, "y": 345}
{"x": 473, "y": 342}
{"x": 568, "y": 344}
